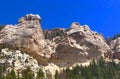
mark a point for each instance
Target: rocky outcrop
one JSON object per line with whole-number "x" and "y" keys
{"x": 19, "y": 61}
{"x": 62, "y": 47}
{"x": 27, "y": 35}
{"x": 115, "y": 46}
{"x": 58, "y": 48}
{"x": 80, "y": 44}
{"x": 15, "y": 59}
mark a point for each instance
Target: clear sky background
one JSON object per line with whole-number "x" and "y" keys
{"x": 102, "y": 16}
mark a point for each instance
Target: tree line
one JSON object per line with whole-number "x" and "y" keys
{"x": 96, "y": 70}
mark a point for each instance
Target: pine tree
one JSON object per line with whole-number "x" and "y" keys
{"x": 57, "y": 75}
{"x": 49, "y": 75}
{"x": 40, "y": 74}
{"x": 11, "y": 75}
{"x": 28, "y": 74}
{"x": 1, "y": 71}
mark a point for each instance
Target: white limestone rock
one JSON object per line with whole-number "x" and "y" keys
{"x": 18, "y": 61}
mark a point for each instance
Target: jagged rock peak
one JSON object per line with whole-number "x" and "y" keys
{"x": 30, "y": 17}
{"x": 86, "y": 27}
{"x": 118, "y": 40}
{"x": 115, "y": 44}
{"x": 27, "y": 34}
{"x": 75, "y": 25}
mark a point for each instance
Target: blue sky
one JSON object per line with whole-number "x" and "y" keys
{"x": 102, "y": 16}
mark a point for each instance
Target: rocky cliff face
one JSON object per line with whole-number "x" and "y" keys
{"x": 27, "y": 35}
{"x": 57, "y": 48}
{"x": 15, "y": 59}
{"x": 62, "y": 47}
{"x": 80, "y": 44}
{"x": 19, "y": 61}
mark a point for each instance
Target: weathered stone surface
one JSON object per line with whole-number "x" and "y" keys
{"x": 26, "y": 34}
{"x": 80, "y": 44}
{"x": 76, "y": 44}
{"x": 20, "y": 61}
{"x": 15, "y": 59}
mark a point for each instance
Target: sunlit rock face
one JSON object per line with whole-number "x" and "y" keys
{"x": 62, "y": 47}
{"x": 17, "y": 60}
{"x": 59, "y": 48}
{"x": 26, "y": 34}
{"x": 80, "y": 44}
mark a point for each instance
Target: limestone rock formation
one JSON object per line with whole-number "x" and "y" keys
{"x": 20, "y": 60}
{"x": 80, "y": 44}
{"x": 62, "y": 47}
{"x": 59, "y": 48}
{"x": 15, "y": 59}
{"x": 28, "y": 35}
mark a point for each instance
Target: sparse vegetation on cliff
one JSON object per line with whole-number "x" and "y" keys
{"x": 96, "y": 70}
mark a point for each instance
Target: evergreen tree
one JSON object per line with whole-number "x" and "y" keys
{"x": 40, "y": 74}
{"x": 28, "y": 74}
{"x": 49, "y": 75}
{"x": 57, "y": 75}
{"x": 96, "y": 70}
{"x": 11, "y": 75}
{"x": 1, "y": 71}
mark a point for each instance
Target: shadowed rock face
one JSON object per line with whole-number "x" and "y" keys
{"x": 26, "y": 34}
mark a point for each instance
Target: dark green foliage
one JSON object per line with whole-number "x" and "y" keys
{"x": 50, "y": 34}
{"x": 40, "y": 74}
{"x": 27, "y": 74}
{"x": 96, "y": 70}
{"x": 49, "y": 75}
{"x": 11, "y": 75}
{"x": 1, "y": 71}
{"x": 57, "y": 75}
{"x": 115, "y": 36}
